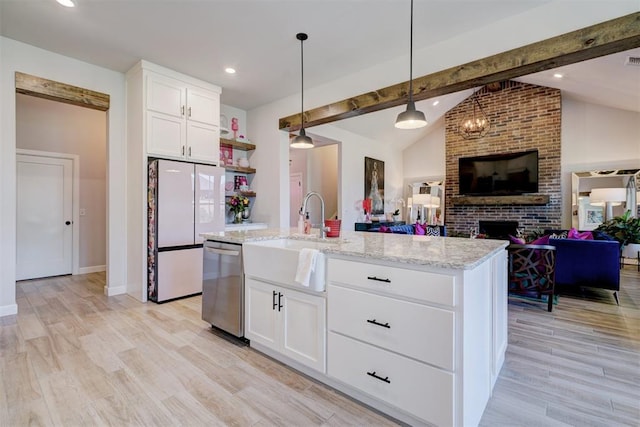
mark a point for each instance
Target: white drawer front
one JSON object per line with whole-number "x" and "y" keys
{"x": 393, "y": 324}
{"x": 421, "y": 390}
{"x": 420, "y": 285}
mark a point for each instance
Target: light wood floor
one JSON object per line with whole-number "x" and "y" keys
{"x": 73, "y": 357}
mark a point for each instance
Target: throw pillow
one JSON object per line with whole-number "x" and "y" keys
{"x": 384, "y": 229}
{"x": 560, "y": 235}
{"x": 516, "y": 240}
{"x": 601, "y": 235}
{"x": 543, "y": 240}
{"x": 432, "y": 230}
{"x": 420, "y": 229}
{"x": 575, "y": 234}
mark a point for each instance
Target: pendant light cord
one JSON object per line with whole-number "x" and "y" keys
{"x": 302, "y": 84}
{"x": 302, "y": 39}
{"x": 411, "y": 57}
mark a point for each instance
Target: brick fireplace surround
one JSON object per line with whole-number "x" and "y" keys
{"x": 523, "y": 117}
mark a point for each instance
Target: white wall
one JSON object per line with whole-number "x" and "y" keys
{"x": 230, "y": 112}
{"x": 426, "y": 157}
{"x": 596, "y": 138}
{"x": 46, "y": 125}
{"x": 16, "y": 56}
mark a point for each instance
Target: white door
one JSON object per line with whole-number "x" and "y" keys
{"x": 44, "y": 194}
{"x": 295, "y": 197}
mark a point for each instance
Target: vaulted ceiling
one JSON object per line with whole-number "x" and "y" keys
{"x": 257, "y": 37}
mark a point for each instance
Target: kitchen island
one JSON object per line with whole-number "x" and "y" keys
{"x": 414, "y": 326}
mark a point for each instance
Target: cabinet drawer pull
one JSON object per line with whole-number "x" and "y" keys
{"x": 189, "y": 110}
{"x": 373, "y": 374}
{"x": 384, "y": 325}
{"x": 275, "y": 304}
{"x": 378, "y": 279}
{"x": 279, "y": 301}
{"x": 182, "y": 110}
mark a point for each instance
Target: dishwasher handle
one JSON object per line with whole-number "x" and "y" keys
{"x": 221, "y": 251}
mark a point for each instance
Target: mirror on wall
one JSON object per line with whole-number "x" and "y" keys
{"x": 597, "y": 196}
{"x": 425, "y": 201}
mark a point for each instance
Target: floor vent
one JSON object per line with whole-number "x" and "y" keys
{"x": 633, "y": 60}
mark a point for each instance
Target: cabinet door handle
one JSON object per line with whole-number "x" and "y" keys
{"x": 279, "y": 301}
{"x": 384, "y": 325}
{"x": 189, "y": 151}
{"x": 274, "y": 301}
{"x": 182, "y": 110}
{"x": 378, "y": 279}
{"x": 189, "y": 111}
{"x": 183, "y": 150}
{"x": 385, "y": 379}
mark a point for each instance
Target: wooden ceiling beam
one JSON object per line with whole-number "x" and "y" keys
{"x": 616, "y": 35}
{"x": 61, "y": 92}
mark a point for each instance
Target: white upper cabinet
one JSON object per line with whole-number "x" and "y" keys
{"x": 181, "y": 115}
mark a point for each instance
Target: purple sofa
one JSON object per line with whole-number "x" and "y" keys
{"x": 591, "y": 263}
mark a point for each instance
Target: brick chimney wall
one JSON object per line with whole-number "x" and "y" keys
{"x": 523, "y": 117}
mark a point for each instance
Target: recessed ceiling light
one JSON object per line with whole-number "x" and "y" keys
{"x": 230, "y": 70}
{"x": 558, "y": 75}
{"x": 435, "y": 103}
{"x": 67, "y": 3}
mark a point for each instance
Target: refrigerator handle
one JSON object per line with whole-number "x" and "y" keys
{"x": 221, "y": 251}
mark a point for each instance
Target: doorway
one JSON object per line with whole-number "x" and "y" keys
{"x": 46, "y": 127}
{"x": 318, "y": 170}
{"x": 296, "y": 193}
{"x": 45, "y": 226}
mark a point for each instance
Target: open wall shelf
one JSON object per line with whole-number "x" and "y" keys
{"x": 245, "y": 146}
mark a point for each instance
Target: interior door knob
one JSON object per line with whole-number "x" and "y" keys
{"x": 67, "y": 223}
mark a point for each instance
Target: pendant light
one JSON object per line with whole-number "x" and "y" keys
{"x": 302, "y": 140}
{"x": 411, "y": 118}
{"x": 477, "y": 125}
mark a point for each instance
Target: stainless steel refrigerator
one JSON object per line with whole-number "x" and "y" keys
{"x": 184, "y": 200}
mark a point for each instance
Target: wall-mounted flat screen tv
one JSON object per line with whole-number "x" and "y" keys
{"x": 499, "y": 174}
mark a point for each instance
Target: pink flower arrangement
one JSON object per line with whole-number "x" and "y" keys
{"x": 238, "y": 203}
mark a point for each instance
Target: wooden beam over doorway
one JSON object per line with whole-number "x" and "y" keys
{"x": 56, "y": 91}
{"x": 616, "y": 35}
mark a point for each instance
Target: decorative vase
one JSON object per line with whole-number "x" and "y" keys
{"x": 245, "y": 214}
{"x": 237, "y": 218}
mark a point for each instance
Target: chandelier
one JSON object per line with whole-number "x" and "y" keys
{"x": 477, "y": 125}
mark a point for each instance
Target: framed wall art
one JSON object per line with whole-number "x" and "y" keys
{"x": 374, "y": 184}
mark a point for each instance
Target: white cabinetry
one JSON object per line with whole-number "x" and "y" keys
{"x": 290, "y": 322}
{"x": 420, "y": 340}
{"x": 181, "y": 115}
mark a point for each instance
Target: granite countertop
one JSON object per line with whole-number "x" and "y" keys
{"x": 444, "y": 252}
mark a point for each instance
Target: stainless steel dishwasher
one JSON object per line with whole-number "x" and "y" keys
{"x": 223, "y": 287}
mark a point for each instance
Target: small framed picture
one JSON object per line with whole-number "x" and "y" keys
{"x": 226, "y": 155}
{"x": 592, "y": 218}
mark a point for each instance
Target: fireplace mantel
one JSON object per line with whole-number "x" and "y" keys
{"x": 525, "y": 199}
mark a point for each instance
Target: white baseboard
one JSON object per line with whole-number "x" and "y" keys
{"x": 92, "y": 269}
{"x": 8, "y": 310}
{"x": 115, "y": 290}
